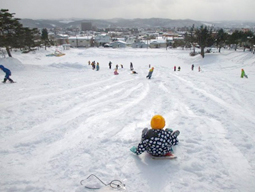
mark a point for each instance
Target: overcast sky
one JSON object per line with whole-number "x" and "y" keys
{"x": 202, "y": 10}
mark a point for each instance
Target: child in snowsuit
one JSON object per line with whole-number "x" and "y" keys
{"x": 157, "y": 141}
{"x": 110, "y": 65}
{"x": 131, "y": 66}
{"x": 93, "y": 64}
{"x": 97, "y": 66}
{"x": 243, "y": 74}
{"x": 192, "y": 67}
{"x": 7, "y": 74}
{"x": 150, "y": 73}
{"x": 116, "y": 72}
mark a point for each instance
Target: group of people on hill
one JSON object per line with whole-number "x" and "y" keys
{"x": 131, "y": 69}
{"x": 192, "y": 68}
{"x": 94, "y": 65}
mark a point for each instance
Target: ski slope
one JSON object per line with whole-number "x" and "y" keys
{"x": 62, "y": 121}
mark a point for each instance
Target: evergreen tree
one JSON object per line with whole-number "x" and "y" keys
{"x": 251, "y": 40}
{"x": 8, "y": 30}
{"x": 30, "y": 36}
{"x": 13, "y": 34}
{"x": 221, "y": 38}
{"x": 204, "y": 38}
{"x": 235, "y": 38}
{"x": 245, "y": 39}
{"x": 192, "y": 38}
{"x": 189, "y": 38}
{"x": 44, "y": 37}
{"x": 179, "y": 43}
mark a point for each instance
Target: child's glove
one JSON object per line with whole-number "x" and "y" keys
{"x": 133, "y": 149}
{"x": 170, "y": 130}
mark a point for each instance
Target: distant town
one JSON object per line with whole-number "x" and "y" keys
{"x": 29, "y": 35}
{"x": 88, "y": 35}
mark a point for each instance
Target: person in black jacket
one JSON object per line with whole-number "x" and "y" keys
{"x": 157, "y": 141}
{"x": 7, "y": 74}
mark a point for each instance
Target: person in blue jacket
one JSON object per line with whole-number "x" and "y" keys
{"x": 7, "y": 74}
{"x": 157, "y": 141}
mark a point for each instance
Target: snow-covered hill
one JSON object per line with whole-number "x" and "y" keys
{"x": 62, "y": 121}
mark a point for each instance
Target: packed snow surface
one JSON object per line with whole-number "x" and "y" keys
{"x": 63, "y": 121}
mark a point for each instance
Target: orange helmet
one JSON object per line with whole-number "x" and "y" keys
{"x": 157, "y": 122}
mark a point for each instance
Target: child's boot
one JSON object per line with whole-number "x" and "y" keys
{"x": 176, "y": 133}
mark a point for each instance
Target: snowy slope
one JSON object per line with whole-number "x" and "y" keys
{"x": 63, "y": 121}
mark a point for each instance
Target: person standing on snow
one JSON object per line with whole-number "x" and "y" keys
{"x": 97, "y": 66}
{"x": 7, "y": 74}
{"x": 131, "y": 66}
{"x": 93, "y": 64}
{"x": 110, "y": 65}
{"x": 192, "y": 67}
{"x": 150, "y": 73}
{"x": 243, "y": 74}
{"x": 157, "y": 141}
{"x": 174, "y": 68}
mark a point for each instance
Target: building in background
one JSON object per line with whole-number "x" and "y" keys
{"x": 78, "y": 41}
{"x": 86, "y": 26}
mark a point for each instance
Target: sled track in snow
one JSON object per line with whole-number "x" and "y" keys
{"x": 219, "y": 147}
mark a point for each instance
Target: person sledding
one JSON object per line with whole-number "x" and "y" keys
{"x": 150, "y": 73}
{"x": 115, "y": 72}
{"x": 243, "y": 74}
{"x": 7, "y": 74}
{"x": 157, "y": 141}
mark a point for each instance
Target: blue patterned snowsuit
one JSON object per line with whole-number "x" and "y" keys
{"x": 156, "y": 142}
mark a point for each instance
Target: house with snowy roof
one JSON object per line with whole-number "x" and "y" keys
{"x": 118, "y": 44}
{"x": 80, "y": 41}
{"x": 61, "y": 39}
{"x": 158, "y": 43}
{"x": 102, "y": 39}
{"x": 140, "y": 44}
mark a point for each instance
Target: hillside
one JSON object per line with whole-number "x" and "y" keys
{"x": 63, "y": 121}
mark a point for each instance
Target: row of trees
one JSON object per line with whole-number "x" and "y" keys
{"x": 205, "y": 37}
{"x": 14, "y": 35}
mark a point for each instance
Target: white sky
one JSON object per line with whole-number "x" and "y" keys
{"x": 203, "y": 10}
